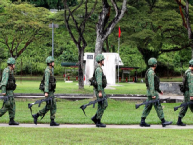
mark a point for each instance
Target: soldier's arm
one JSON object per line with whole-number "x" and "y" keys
{"x": 151, "y": 82}
{"x": 46, "y": 81}
{"x": 190, "y": 85}
{"x": 99, "y": 79}
{"x": 4, "y": 81}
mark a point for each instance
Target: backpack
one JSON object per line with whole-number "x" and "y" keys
{"x": 93, "y": 81}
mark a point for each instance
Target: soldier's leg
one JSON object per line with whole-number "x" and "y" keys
{"x": 4, "y": 109}
{"x": 183, "y": 110}
{"x": 146, "y": 110}
{"x": 12, "y": 112}
{"x": 191, "y": 107}
{"x": 52, "y": 113}
{"x": 101, "y": 106}
{"x": 160, "y": 114}
{"x": 145, "y": 113}
{"x": 159, "y": 110}
{"x": 53, "y": 109}
{"x": 12, "y": 108}
{"x": 44, "y": 110}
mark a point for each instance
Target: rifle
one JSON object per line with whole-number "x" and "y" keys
{"x": 93, "y": 102}
{"x": 157, "y": 101}
{"x": 185, "y": 104}
{"x": 4, "y": 98}
{"x": 48, "y": 99}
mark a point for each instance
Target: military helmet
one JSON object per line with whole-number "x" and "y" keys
{"x": 191, "y": 62}
{"x": 49, "y": 59}
{"x": 99, "y": 57}
{"x": 152, "y": 61}
{"x": 11, "y": 60}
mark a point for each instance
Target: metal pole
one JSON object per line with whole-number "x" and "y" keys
{"x": 118, "y": 57}
{"x": 53, "y": 44}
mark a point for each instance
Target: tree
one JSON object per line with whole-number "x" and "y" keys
{"x": 22, "y": 24}
{"x": 186, "y": 20}
{"x": 102, "y": 29}
{"x": 154, "y": 28}
{"x": 78, "y": 35}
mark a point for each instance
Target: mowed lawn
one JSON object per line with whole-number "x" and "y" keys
{"x": 45, "y": 136}
{"x": 118, "y": 112}
{"x": 72, "y": 88}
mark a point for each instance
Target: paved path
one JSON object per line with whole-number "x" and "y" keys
{"x": 93, "y": 126}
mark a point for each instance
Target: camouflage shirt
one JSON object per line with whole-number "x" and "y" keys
{"x": 5, "y": 78}
{"x": 98, "y": 75}
{"x": 150, "y": 77}
{"x": 48, "y": 72}
{"x": 189, "y": 82}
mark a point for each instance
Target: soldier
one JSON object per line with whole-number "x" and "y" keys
{"x": 152, "y": 83}
{"x": 99, "y": 91}
{"x": 188, "y": 92}
{"x": 7, "y": 86}
{"x": 49, "y": 85}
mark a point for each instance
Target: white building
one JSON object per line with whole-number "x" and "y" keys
{"x": 109, "y": 68}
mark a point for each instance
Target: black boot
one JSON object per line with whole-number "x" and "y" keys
{"x": 143, "y": 124}
{"x": 99, "y": 124}
{"x": 12, "y": 122}
{"x": 35, "y": 116}
{"x": 53, "y": 123}
{"x": 180, "y": 123}
{"x": 164, "y": 123}
{"x": 94, "y": 118}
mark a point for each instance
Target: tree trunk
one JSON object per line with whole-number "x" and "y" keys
{"x": 81, "y": 68}
{"x": 107, "y": 45}
{"x": 98, "y": 47}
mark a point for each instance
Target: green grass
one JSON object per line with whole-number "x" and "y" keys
{"x": 72, "y": 88}
{"x": 118, "y": 112}
{"x": 171, "y": 79}
{"x": 93, "y": 136}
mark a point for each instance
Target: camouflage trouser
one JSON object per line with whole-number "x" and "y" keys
{"x": 101, "y": 105}
{"x": 49, "y": 106}
{"x": 157, "y": 107}
{"x": 9, "y": 106}
{"x": 184, "y": 109}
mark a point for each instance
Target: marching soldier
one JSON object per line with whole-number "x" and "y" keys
{"x": 7, "y": 86}
{"x": 152, "y": 83}
{"x": 99, "y": 91}
{"x": 48, "y": 85}
{"x": 188, "y": 92}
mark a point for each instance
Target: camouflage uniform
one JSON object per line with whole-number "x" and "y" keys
{"x": 188, "y": 84}
{"x": 101, "y": 84}
{"x": 49, "y": 84}
{"x": 7, "y": 86}
{"x": 49, "y": 106}
{"x": 152, "y": 83}
{"x": 101, "y": 105}
{"x": 150, "y": 93}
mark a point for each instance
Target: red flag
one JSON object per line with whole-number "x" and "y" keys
{"x": 119, "y": 32}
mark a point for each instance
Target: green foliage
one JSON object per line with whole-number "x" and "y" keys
{"x": 149, "y": 28}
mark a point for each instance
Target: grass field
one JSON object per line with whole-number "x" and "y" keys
{"x": 118, "y": 112}
{"x": 94, "y": 136}
{"x": 72, "y": 88}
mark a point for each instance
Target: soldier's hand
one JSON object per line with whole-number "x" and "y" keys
{"x": 46, "y": 94}
{"x": 161, "y": 93}
{"x": 153, "y": 97}
{"x": 3, "y": 94}
{"x": 100, "y": 94}
{"x": 191, "y": 98}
